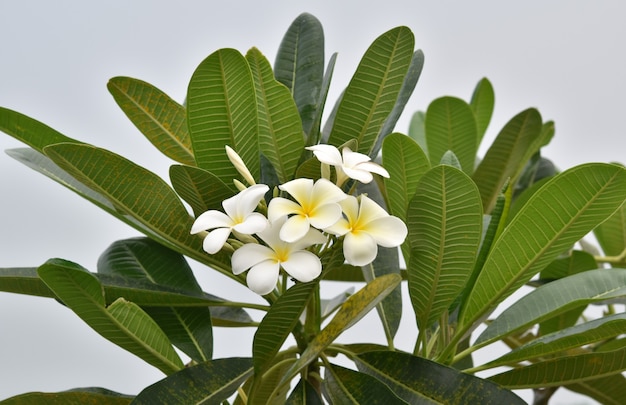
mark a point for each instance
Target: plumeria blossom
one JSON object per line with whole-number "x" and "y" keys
{"x": 316, "y": 205}
{"x": 264, "y": 262}
{"x": 366, "y": 225}
{"x": 239, "y": 218}
{"x": 348, "y": 164}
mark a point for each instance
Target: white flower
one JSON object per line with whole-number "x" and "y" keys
{"x": 265, "y": 262}
{"x": 350, "y": 164}
{"x": 239, "y": 164}
{"x": 365, "y": 226}
{"x": 239, "y": 218}
{"x": 316, "y": 205}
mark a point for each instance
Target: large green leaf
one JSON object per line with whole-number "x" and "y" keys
{"x": 221, "y": 110}
{"x": 265, "y": 390}
{"x": 560, "y": 213}
{"x": 304, "y": 394}
{"x": 417, "y": 130}
{"x": 609, "y": 390}
{"x": 420, "y": 381}
{"x": 611, "y": 234}
{"x": 597, "y": 330}
{"x": 450, "y": 125}
{"x": 560, "y": 371}
{"x": 554, "y": 298}
{"x": 162, "y": 120}
{"x": 139, "y": 194}
{"x": 372, "y": 93}
{"x": 278, "y": 323}
{"x": 202, "y": 190}
{"x": 410, "y": 80}
{"x": 299, "y": 65}
{"x": 280, "y": 129}
{"x": 190, "y": 329}
{"x": 345, "y": 386}
{"x": 123, "y": 323}
{"x": 355, "y": 308}
{"x": 83, "y": 396}
{"x": 507, "y": 155}
{"x": 482, "y": 103}
{"x": 30, "y": 131}
{"x": 445, "y": 228}
{"x": 207, "y": 383}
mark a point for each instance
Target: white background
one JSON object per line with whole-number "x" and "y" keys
{"x": 564, "y": 57}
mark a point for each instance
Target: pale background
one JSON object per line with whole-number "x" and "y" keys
{"x": 564, "y": 57}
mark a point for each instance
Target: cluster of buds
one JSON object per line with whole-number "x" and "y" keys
{"x": 300, "y": 224}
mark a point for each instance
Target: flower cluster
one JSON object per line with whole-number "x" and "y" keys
{"x": 300, "y": 224}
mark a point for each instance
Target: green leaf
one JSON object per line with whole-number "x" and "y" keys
{"x": 420, "y": 381}
{"x": 265, "y": 390}
{"x": 554, "y": 298}
{"x": 611, "y": 234}
{"x": 482, "y": 103}
{"x": 122, "y": 322}
{"x": 299, "y": 65}
{"x": 304, "y": 394}
{"x": 139, "y": 194}
{"x": 189, "y": 329}
{"x": 597, "y": 330}
{"x": 507, "y": 156}
{"x": 560, "y": 371}
{"x": 221, "y": 110}
{"x": 207, "y": 383}
{"x": 83, "y": 396}
{"x": 609, "y": 390}
{"x": 278, "y": 324}
{"x": 162, "y": 120}
{"x": 202, "y": 190}
{"x": 560, "y": 213}
{"x": 450, "y": 125}
{"x": 315, "y": 134}
{"x": 30, "y": 131}
{"x": 280, "y": 128}
{"x": 355, "y": 308}
{"x": 410, "y": 80}
{"x": 344, "y": 386}
{"x": 417, "y": 130}
{"x": 445, "y": 229}
{"x": 406, "y": 163}
{"x": 372, "y": 93}
{"x": 23, "y": 280}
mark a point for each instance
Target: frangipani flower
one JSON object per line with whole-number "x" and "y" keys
{"x": 239, "y": 218}
{"x": 265, "y": 262}
{"x": 350, "y": 164}
{"x": 366, "y": 225}
{"x": 316, "y": 205}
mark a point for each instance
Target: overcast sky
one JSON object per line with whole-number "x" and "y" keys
{"x": 564, "y": 57}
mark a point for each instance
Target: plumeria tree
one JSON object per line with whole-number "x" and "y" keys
{"x": 266, "y": 193}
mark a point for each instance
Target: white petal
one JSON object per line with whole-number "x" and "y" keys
{"x": 294, "y": 228}
{"x": 350, "y": 207}
{"x": 300, "y": 189}
{"x": 209, "y": 220}
{"x": 250, "y": 255}
{"x": 388, "y": 232}
{"x": 325, "y": 215}
{"x": 340, "y": 228}
{"x": 270, "y": 234}
{"x": 362, "y": 176}
{"x": 325, "y": 192}
{"x": 312, "y": 237}
{"x": 245, "y": 202}
{"x": 359, "y": 248}
{"x": 253, "y": 223}
{"x": 326, "y": 154}
{"x": 281, "y": 207}
{"x": 351, "y": 159}
{"x": 374, "y": 168}
{"x": 215, "y": 240}
{"x": 369, "y": 210}
{"x": 262, "y": 278}
{"x": 303, "y": 265}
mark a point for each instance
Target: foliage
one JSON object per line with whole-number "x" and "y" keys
{"x": 284, "y": 204}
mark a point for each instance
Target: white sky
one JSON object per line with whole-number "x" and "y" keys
{"x": 564, "y": 57}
